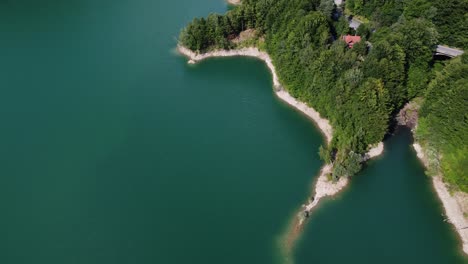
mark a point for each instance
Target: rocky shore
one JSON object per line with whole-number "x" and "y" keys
{"x": 234, "y": 2}
{"x": 452, "y": 203}
{"x": 455, "y": 204}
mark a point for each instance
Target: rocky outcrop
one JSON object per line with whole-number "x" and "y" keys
{"x": 408, "y": 115}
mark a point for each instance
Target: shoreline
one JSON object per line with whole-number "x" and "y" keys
{"x": 451, "y": 207}
{"x": 322, "y": 123}
{"x": 234, "y": 2}
{"x": 322, "y": 186}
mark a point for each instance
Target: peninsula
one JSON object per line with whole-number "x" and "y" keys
{"x": 323, "y": 186}
{"x": 356, "y": 86}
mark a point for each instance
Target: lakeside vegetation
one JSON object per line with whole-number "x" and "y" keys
{"x": 443, "y": 123}
{"x": 360, "y": 89}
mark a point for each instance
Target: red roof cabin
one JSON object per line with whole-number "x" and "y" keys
{"x": 351, "y": 40}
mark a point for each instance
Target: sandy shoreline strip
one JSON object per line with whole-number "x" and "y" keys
{"x": 452, "y": 207}
{"x": 234, "y": 2}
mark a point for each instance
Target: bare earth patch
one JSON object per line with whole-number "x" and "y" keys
{"x": 245, "y": 35}
{"x": 234, "y": 2}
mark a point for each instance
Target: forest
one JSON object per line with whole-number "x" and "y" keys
{"x": 443, "y": 123}
{"x": 449, "y": 16}
{"x": 358, "y": 89}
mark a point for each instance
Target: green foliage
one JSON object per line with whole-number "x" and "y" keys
{"x": 405, "y": 51}
{"x": 449, "y": 16}
{"x": 326, "y": 7}
{"x": 419, "y": 8}
{"x": 383, "y": 13}
{"x": 349, "y": 166}
{"x": 342, "y": 26}
{"x": 364, "y": 31}
{"x": 418, "y": 39}
{"x": 418, "y": 77}
{"x": 451, "y": 20}
{"x": 325, "y": 154}
{"x": 361, "y": 49}
{"x": 443, "y": 124}
{"x": 214, "y": 31}
{"x": 387, "y": 62}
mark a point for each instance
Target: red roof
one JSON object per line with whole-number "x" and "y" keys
{"x": 351, "y": 40}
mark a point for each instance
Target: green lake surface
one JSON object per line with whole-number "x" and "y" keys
{"x": 114, "y": 150}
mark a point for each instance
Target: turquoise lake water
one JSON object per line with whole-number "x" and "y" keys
{"x": 114, "y": 150}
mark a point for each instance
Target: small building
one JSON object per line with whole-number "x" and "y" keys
{"x": 351, "y": 40}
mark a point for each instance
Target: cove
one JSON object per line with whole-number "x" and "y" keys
{"x": 115, "y": 151}
{"x": 389, "y": 214}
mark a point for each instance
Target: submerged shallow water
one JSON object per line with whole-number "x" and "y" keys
{"x": 115, "y": 151}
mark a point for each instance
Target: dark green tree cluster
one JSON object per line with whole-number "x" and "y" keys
{"x": 449, "y": 16}
{"x": 443, "y": 123}
{"x": 417, "y": 39}
{"x": 357, "y": 89}
{"x": 216, "y": 30}
{"x": 382, "y": 13}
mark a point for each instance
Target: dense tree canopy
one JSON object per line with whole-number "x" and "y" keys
{"x": 443, "y": 124}
{"x": 449, "y": 16}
